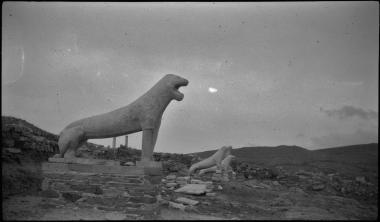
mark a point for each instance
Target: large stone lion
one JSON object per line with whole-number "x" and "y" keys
{"x": 144, "y": 114}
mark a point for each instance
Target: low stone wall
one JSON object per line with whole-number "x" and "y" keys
{"x": 104, "y": 185}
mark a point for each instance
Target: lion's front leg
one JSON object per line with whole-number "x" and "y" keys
{"x": 147, "y": 145}
{"x": 149, "y": 139}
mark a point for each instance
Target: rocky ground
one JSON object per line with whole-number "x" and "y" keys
{"x": 317, "y": 190}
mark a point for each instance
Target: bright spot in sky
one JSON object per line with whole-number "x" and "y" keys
{"x": 212, "y": 90}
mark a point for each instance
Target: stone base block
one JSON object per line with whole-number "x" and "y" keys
{"x": 151, "y": 167}
{"x": 103, "y": 184}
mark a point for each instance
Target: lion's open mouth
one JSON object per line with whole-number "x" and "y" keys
{"x": 179, "y": 96}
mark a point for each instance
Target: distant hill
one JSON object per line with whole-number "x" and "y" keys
{"x": 9, "y": 122}
{"x": 363, "y": 153}
{"x": 267, "y": 155}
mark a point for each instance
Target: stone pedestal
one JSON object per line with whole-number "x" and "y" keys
{"x": 104, "y": 185}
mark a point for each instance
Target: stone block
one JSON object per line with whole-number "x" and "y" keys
{"x": 85, "y": 161}
{"x": 50, "y": 167}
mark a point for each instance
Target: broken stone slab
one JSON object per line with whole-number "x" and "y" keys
{"x": 177, "y": 206}
{"x": 171, "y": 184}
{"x": 171, "y": 177}
{"x": 128, "y": 164}
{"x": 208, "y": 190}
{"x": 187, "y": 201}
{"x": 211, "y": 194}
{"x": 195, "y": 189}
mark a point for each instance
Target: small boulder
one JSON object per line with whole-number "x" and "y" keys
{"x": 187, "y": 201}
{"x": 177, "y": 206}
{"x": 195, "y": 189}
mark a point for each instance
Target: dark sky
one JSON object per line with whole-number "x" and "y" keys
{"x": 293, "y": 73}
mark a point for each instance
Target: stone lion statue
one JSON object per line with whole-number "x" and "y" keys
{"x": 144, "y": 114}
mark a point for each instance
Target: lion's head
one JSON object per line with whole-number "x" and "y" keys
{"x": 173, "y": 83}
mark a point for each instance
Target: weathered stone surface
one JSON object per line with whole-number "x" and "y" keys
{"x": 144, "y": 114}
{"x": 87, "y": 188}
{"x": 115, "y": 216}
{"x": 318, "y": 186}
{"x": 186, "y": 178}
{"x": 144, "y": 199}
{"x": 170, "y": 184}
{"x": 211, "y": 194}
{"x": 45, "y": 184}
{"x": 49, "y": 193}
{"x": 129, "y": 164}
{"x": 13, "y": 150}
{"x": 195, "y": 181}
{"x": 195, "y": 189}
{"x": 84, "y": 161}
{"x": 108, "y": 201}
{"x": 71, "y": 196}
{"x": 187, "y": 201}
{"x": 177, "y": 206}
{"x": 171, "y": 177}
{"x": 48, "y": 167}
